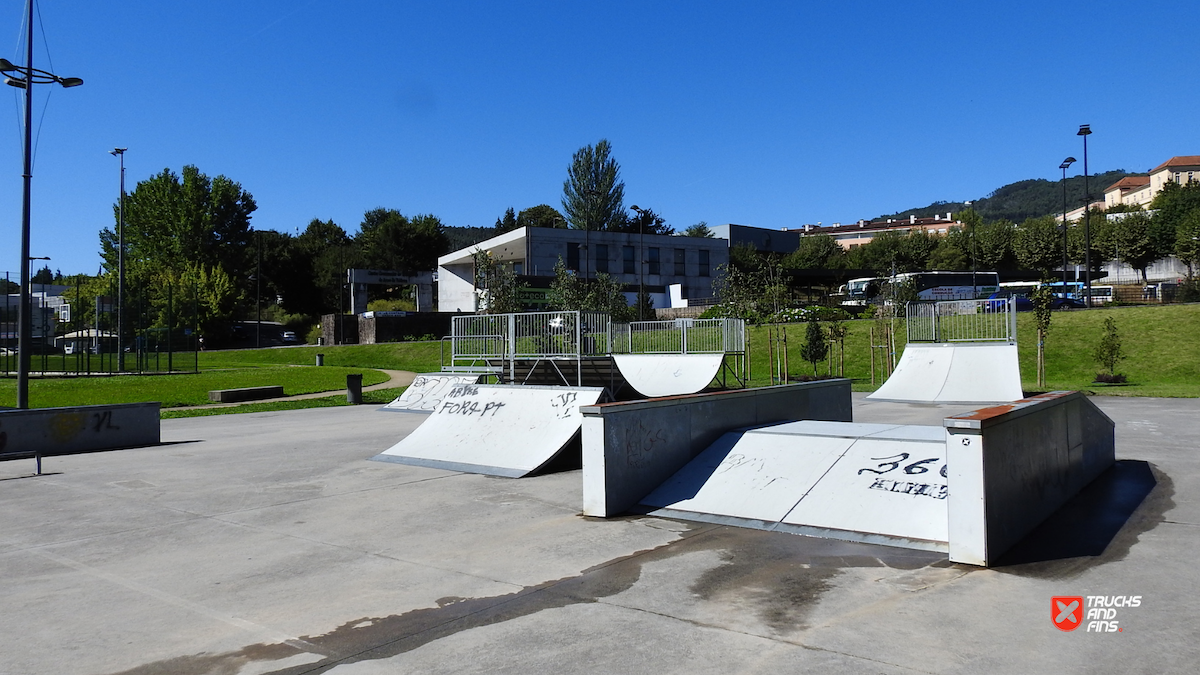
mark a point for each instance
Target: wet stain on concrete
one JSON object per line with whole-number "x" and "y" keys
{"x": 781, "y": 575}
{"x": 1098, "y": 526}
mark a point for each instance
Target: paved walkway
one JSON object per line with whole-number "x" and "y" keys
{"x": 397, "y": 378}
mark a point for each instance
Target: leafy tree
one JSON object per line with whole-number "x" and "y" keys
{"x": 643, "y": 306}
{"x": 593, "y": 194}
{"x": 175, "y": 225}
{"x": 993, "y": 246}
{"x": 508, "y": 223}
{"x": 816, "y": 252}
{"x": 700, "y": 229}
{"x": 325, "y": 252}
{"x": 1037, "y": 244}
{"x": 950, "y": 254}
{"x": 1133, "y": 240}
{"x": 1077, "y": 241}
{"x": 1108, "y": 352}
{"x": 43, "y": 276}
{"x": 1041, "y": 297}
{"x": 171, "y": 222}
{"x": 1187, "y": 241}
{"x": 390, "y": 241}
{"x": 1175, "y": 202}
{"x": 642, "y": 221}
{"x": 599, "y": 294}
{"x": 496, "y": 286}
{"x": 815, "y": 347}
{"x": 542, "y": 215}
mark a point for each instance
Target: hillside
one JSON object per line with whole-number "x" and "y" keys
{"x": 1025, "y": 199}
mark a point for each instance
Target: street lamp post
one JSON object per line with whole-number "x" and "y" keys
{"x": 1085, "y": 130}
{"x": 641, "y": 258}
{"x": 1066, "y": 163}
{"x": 120, "y": 152}
{"x": 24, "y": 77}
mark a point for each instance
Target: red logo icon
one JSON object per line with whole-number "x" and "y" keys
{"x": 1066, "y": 612}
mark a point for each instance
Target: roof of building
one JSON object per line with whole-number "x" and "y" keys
{"x": 1181, "y": 160}
{"x": 883, "y": 225}
{"x": 1129, "y": 183}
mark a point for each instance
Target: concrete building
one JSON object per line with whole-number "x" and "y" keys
{"x": 856, "y": 234}
{"x": 1141, "y": 190}
{"x": 532, "y": 252}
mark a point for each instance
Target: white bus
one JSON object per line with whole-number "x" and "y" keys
{"x": 928, "y": 285}
{"x": 1101, "y": 295}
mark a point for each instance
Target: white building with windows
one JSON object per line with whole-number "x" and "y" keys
{"x": 655, "y": 260}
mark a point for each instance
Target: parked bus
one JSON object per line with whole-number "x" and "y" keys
{"x": 928, "y": 286}
{"x": 1100, "y": 294}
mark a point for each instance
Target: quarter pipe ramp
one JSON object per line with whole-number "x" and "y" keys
{"x": 954, "y": 372}
{"x": 498, "y": 430}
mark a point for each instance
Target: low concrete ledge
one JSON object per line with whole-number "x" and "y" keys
{"x": 245, "y": 394}
{"x": 1011, "y": 466}
{"x": 632, "y": 447}
{"x": 60, "y": 431}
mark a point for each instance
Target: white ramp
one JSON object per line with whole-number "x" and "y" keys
{"x": 954, "y": 372}
{"x": 427, "y": 390}
{"x": 499, "y": 430}
{"x": 864, "y": 482}
{"x": 668, "y": 374}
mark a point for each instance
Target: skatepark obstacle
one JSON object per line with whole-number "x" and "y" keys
{"x": 498, "y": 430}
{"x": 972, "y": 487}
{"x": 582, "y": 349}
{"x": 959, "y": 351}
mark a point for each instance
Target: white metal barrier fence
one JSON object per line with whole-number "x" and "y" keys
{"x": 680, "y": 336}
{"x": 962, "y": 321}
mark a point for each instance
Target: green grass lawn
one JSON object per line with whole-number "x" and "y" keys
{"x": 181, "y": 389}
{"x": 1162, "y": 344}
{"x": 377, "y": 397}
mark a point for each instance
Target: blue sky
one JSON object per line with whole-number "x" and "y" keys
{"x": 771, "y": 114}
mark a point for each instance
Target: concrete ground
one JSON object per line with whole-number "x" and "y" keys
{"x": 267, "y": 543}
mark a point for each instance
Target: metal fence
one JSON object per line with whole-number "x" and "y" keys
{"x": 562, "y": 335}
{"x": 680, "y": 336}
{"x": 962, "y": 321}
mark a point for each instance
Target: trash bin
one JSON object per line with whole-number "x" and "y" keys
{"x": 320, "y": 359}
{"x": 354, "y": 389}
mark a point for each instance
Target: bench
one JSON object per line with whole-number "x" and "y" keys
{"x": 245, "y": 394}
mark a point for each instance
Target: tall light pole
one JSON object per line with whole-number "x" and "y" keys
{"x": 120, "y": 152}
{"x": 24, "y": 77}
{"x": 1085, "y": 130}
{"x": 641, "y": 257}
{"x": 1066, "y": 163}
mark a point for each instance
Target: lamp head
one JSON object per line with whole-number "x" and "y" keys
{"x": 1084, "y": 130}
{"x": 1067, "y": 162}
{"x": 117, "y": 151}
{"x": 14, "y": 82}
{"x": 70, "y": 81}
{"x": 5, "y": 64}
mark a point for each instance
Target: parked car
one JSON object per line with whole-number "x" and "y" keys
{"x": 289, "y": 338}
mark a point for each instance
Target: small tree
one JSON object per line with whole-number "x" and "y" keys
{"x": 496, "y": 286}
{"x": 644, "y": 308}
{"x": 1108, "y": 352}
{"x": 815, "y": 347}
{"x": 1041, "y": 297}
{"x": 837, "y": 331}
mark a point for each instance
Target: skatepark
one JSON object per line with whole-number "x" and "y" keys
{"x": 796, "y": 527}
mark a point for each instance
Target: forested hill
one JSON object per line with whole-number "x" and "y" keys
{"x": 1026, "y": 198}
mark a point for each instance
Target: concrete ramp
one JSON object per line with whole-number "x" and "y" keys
{"x": 653, "y": 375}
{"x": 498, "y": 430}
{"x": 427, "y": 390}
{"x": 863, "y": 482}
{"x": 954, "y": 372}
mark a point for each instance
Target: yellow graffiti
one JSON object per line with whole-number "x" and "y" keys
{"x": 66, "y": 426}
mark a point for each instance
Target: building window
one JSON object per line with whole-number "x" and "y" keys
{"x": 602, "y": 258}
{"x": 518, "y": 268}
{"x": 627, "y": 258}
{"x": 704, "y": 262}
{"x": 573, "y": 256}
{"x": 680, "y": 267}
{"x": 653, "y": 255}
